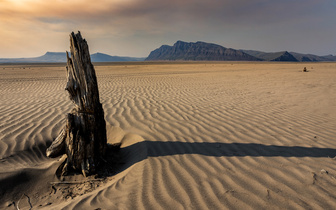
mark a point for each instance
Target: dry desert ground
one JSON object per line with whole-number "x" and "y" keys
{"x": 194, "y": 135}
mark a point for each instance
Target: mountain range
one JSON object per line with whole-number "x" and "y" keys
{"x": 289, "y": 56}
{"x": 60, "y": 57}
{"x": 197, "y": 52}
{"x": 202, "y": 51}
{"x": 185, "y": 51}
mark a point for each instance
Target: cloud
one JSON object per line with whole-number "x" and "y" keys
{"x": 120, "y": 23}
{"x": 155, "y": 12}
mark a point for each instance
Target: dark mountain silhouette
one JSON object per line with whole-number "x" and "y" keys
{"x": 330, "y": 57}
{"x": 60, "y": 57}
{"x": 199, "y": 51}
{"x": 273, "y": 56}
{"x": 285, "y": 56}
{"x": 312, "y": 58}
{"x": 202, "y": 51}
{"x": 289, "y": 56}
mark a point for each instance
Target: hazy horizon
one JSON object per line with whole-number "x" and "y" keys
{"x": 134, "y": 28}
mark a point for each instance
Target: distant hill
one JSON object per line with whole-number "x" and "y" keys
{"x": 101, "y": 57}
{"x": 60, "y": 57}
{"x": 198, "y": 51}
{"x": 289, "y": 56}
{"x": 55, "y": 57}
{"x": 312, "y": 58}
{"x": 330, "y": 57}
{"x": 49, "y": 57}
{"x": 274, "y": 56}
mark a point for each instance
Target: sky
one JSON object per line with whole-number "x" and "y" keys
{"x": 30, "y": 28}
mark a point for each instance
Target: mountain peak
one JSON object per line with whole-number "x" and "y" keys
{"x": 285, "y": 56}
{"x": 198, "y": 51}
{"x": 99, "y": 53}
{"x": 54, "y": 53}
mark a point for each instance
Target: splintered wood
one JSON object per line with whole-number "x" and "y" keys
{"x": 83, "y": 138}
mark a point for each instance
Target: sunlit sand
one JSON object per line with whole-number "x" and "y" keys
{"x": 204, "y": 135}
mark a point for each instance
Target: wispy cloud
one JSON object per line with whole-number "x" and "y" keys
{"x": 133, "y": 27}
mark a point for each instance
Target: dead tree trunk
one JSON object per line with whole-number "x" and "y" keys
{"x": 83, "y": 138}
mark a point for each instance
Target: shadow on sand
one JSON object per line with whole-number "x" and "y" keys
{"x": 120, "y": 159}
{"x": 159, "y": 148}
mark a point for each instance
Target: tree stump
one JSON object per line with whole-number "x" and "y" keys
{"x": 83, "y": 138}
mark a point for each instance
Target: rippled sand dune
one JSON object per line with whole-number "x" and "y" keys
{"x": 221, "y": 135}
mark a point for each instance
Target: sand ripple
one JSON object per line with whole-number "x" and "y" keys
{"x": 194, "y": 136}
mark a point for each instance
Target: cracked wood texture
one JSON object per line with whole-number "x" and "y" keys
{"x": 83, "y": 138}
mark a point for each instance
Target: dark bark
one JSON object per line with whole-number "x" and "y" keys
{"x": 83, "y": 138}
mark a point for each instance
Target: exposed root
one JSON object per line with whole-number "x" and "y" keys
{"x": 30, "y": 205}
{"x": 58, "y": 145}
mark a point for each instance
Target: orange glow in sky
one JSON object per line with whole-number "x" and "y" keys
{"x": 135, "y": 27}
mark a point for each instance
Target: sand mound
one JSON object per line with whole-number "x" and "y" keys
{"x": 193, "y": 136}
{"x": 38, "y": 179}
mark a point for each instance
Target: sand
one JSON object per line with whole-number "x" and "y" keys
{"x": 211, "y": 135}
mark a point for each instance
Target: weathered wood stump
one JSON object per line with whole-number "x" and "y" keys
{"x": 83, "y": 138}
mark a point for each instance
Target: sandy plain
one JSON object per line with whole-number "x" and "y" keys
{"x": 207, "y": 135}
